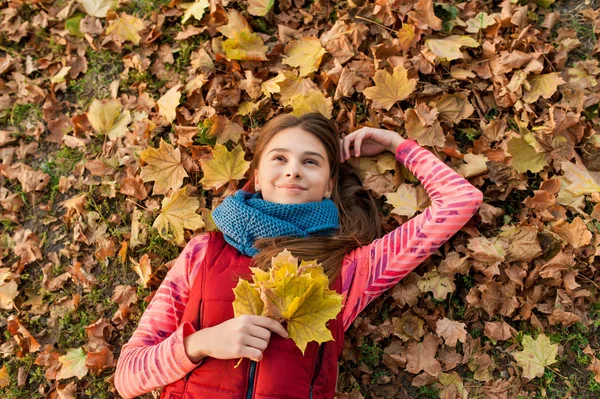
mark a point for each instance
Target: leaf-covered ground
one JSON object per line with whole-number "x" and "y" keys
{"x": 123, "y": 123}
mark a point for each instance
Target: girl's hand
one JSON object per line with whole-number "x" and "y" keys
{"x": 369, "y": 141}
{"x": 244, "y": 336}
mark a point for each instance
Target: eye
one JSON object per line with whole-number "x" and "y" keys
{"x": 278, "y": 158}
{"x": 313, "y": 161}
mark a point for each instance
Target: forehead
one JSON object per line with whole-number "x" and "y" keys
{"x": 298, "y": 140}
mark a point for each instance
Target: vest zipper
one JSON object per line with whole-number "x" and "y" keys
{"x": 251, "y": 377}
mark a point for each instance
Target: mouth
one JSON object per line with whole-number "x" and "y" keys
{"x": 292, "y": 188}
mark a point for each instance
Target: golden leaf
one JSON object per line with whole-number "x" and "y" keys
{"x": 178, "y": 212}
{"x": 8, "y": 289}
{"x": 448, "y": 48}
{"x": 247, "y": 299}
{"x": 307, "y": 315}
{"x": 73, "y": 364}
{"x": 536, "y": 355}
{"x": 524, "y": 156}
{"x": 223, "y": 167}
{"x": 408, "y": 200}
{"x": 542, "y": 85}
{"x": 126, "y": 27}
{"x": 271, "y": 86}
{"x": 440, "y": 285}
{"x": 224, "y": 130}
{"x": 305, "y": 54}
{"x": 425, "y": 135}
{"x": 163, "y": 167}
{"x": 168, "y": 103}
{"x": 245, "y": 46}
{"x": 195, "y": 10}
{"x": 313, "y": 101}
{"x": 390, "y": 89}
{"x": 296, "y": 294}
{"x": 235, "y": 23}
{"x": 107, "y": 117}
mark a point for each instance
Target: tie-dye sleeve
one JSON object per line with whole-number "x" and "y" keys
{"x": 155, "y": 355}
{"x": 370, "y": 270}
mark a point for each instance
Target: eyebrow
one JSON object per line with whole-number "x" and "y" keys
{"x": 305, "y": 152}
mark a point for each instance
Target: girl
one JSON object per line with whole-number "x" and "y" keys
{"x": 306, "y": 200}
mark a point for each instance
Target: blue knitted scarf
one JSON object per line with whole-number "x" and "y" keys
{"x": 245, "y": 217}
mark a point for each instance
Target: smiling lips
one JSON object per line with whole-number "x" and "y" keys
{"x": 292, "y": 187}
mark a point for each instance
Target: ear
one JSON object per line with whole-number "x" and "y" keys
{"x": 255, "y": 176}
{"x": 330, "y": 185}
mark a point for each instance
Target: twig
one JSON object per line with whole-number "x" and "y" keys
{"x": 376, "y": 23}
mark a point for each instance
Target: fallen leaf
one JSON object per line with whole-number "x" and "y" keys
{"x": 420, "y": 356}
{"x": 178, "y": 212}
{"x": 73, "y": 364}
{"x": 439, "y": 285}
{"x": 143, "y": 269}
{"x": 260, "y": 8}
{"x": 305, "y": 54}
{"x": 408, "y": 200}
{"x": 107, "y": 117}
{"x": 313, "y": 101}
{"x": 524, "y": 156}
{"x": 479, "y": 21}
{"x": 224, "y": 166}
{"x": 126, "y": 28}
{"x": 536, "y": 355}
{"x": 452, "y": 331}
{"x": 448, "y": 48}
{"x": 195, "y": 10}
{"x": 163, "y": 167}
{"x": 390, "y": 89}
{"x": 98, "y": 8}
{"x": 542, "y": 85}
{"x": 168, "y": 103}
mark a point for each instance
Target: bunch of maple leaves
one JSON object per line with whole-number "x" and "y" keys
{"x": 493, "y": 89}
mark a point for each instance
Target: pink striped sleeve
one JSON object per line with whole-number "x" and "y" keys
{"x": 155, "y": 355}
{"x": 370, "y": 270}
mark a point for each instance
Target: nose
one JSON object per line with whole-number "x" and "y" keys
{"x": 293, "y": 170}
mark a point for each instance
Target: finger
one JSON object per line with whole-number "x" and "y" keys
{"x": 357, "y": 145}
{"x": 257, "y": 343}
{"x": 260, "y": 332}
{"x": 272, "y": 325}
{"x": 347, "y": 142}
{"x": 252, "y": 353}
{"x": 342, "y": 150}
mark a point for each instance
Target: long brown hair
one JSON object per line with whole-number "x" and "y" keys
{"x": 359, "y": 219}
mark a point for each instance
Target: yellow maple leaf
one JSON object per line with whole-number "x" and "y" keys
{"x": 235, "y": 23}
{"x": 247, "y": 299}
{"x": 313, "y": 101}
{"x": 8, "y": 289}
{"x": 536, "y": 355}
{"x": 260, "y": 8}
{"x": 541, "y": 85}
{"x": 195, "y": 10}
{"x": 305, "y": 54}
{"x": 163, "y": 167}
{"x": 448, "y": 48}
{"x": 167, "y": 104}
{"x": 73, "y": 364}
{"x": 390, "y": 89}
{"x": 306, "y": 316}
{"x": 107, "y": 117}
{"x": 432, "y": 135}
{"x": 271, "y": 86}
{"x": 291, "y": 86}
{"x": 224, "y": 167}
{"x": 439, "y": 285}
{"x": 98, "y": 8}
{"x": 126, "y": 27}
{"x": 178, "y": 212}
{"x": 245, "y": 46}
{"x": 408, "y": 199}
{"x": 524, "y": 156}
{"x": 292, "y": 293}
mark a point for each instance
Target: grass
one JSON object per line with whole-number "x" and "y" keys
{"x": 104, "y": 67}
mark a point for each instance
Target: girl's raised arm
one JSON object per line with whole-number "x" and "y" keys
{"x": 155, "y": 355}
{"x": 370, "y": 270}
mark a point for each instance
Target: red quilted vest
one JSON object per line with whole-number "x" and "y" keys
{"x": 283, "y": 372}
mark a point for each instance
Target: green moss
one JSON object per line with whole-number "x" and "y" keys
{"x": 428, "y": 392}
{"x": 104, "y": 67}
{"x": 370, "y": 352}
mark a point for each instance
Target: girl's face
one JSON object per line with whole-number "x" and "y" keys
{"x": 293, "y": 168}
